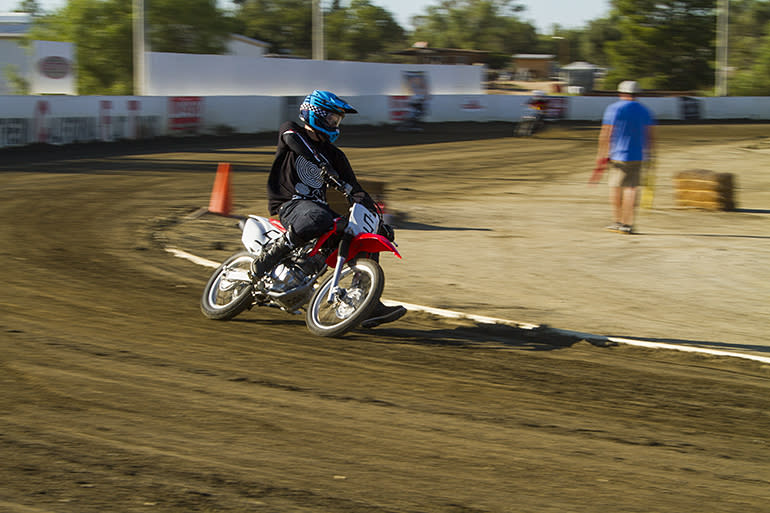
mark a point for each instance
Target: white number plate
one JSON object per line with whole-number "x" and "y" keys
{"x": 362, "y": 220}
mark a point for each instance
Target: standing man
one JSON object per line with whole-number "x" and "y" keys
{"x": 625, "y": 141}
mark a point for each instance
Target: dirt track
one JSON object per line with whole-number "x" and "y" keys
{"x": 119, "y": 396}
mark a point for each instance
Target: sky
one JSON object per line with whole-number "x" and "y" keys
{"x": 541, "y": 13}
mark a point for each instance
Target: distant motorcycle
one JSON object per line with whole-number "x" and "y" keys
{"x": 534, "y": 116}
{"x": 414, "y": 115}
{"x": 335, "y": 306}
{"x": 531, "y": 122}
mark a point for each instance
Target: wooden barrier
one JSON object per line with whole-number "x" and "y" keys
{"x": 702, "y": 188}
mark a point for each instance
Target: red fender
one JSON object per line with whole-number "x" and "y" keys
{"x": 277, "y": 224}
{"x": 339, "y": 227}
{"x": 365, "y": 243}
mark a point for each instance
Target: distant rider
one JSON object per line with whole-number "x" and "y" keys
{"x": 538, "y": 102}
{"x": 296, "y": 189}
{"x": 538, "y": 106}
{"x": 416, "y": 110}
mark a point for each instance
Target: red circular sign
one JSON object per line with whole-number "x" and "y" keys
{"x": 54, "y": 67}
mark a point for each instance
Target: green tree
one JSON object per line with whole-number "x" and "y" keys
{"x": 102, "y": 32}
{"x": 665, "y": 44}
{"x": 749, "y": 48}
{"x": 287, "y": 25}
{"x": 362, "y": 32}
{"x": 30, "y": 6}
{"x": 595, "y": 37}
{"x": 488, "y": 25}
{"x": 18, "y": 84}
{"x": 192, "y": 26}
{"x": 754, "y": 81}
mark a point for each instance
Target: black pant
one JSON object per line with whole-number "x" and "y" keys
{"x": 306, "y": 219}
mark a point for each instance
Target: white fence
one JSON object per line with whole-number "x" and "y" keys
{"x": 231, "y": 75}
{"x": 66, "y": 119}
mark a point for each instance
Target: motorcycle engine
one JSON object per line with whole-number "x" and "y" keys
{"x": 290, "y": 287}
{"x": 286, "y": 278}
{"x": 290, "y": 284}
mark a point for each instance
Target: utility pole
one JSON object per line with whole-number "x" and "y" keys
{"x": 319, "y": 53}
{"x": 562, "y": 49}
{"x": 723, "y": 7}
{"x": 139, "y": 64}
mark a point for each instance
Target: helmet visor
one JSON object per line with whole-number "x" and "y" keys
{"x": 333, "y": 119}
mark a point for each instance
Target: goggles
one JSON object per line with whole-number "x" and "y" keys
{"x": 333, "y": 119}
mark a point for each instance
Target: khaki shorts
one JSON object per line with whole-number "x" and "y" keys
{"x": 625, "y": 174}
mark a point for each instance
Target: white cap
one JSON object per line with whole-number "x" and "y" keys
{"x": 629, "y": 87}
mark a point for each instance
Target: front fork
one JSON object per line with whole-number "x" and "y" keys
{"x": 335, "y": 293}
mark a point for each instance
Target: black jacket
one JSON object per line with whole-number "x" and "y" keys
{"x": 296, "y": 169}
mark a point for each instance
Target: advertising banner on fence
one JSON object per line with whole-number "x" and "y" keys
{"x": 690, "y": 108}
{"x": 473, "y": 104}
{"x": 185, "y": 114}
{"x": 53, "y": 71}
{"x": 105, "y": 120}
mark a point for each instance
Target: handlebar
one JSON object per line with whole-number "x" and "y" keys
{"x": 334, "y": 180}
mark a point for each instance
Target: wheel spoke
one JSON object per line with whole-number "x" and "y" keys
{"x": 360, "y": 286}
{"x": 226, "y": 291}
{"x": 229, "y": 288}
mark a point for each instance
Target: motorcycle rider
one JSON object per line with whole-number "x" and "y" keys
{"x": 414, "y": 115}
{"x": 296, "y": 188}
{"x": 538, "y": 102}
{"x": 536, "y": 107}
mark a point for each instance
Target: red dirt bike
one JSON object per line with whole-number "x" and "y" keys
{"x": 335, "y": 306}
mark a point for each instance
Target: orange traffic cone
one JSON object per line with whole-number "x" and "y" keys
{"x": 221, "y": 201}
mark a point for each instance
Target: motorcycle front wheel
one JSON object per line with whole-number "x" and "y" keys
{"x": 525, "y": 128}
{"x": 228, "y": 291}
{"x": 360, "y": 286}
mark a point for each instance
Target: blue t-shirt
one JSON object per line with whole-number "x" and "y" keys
{"x": 629, "y": 120}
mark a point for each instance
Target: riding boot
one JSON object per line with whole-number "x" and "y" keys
{"x": 382, "y": 314}
{"x": 272, "y": 255}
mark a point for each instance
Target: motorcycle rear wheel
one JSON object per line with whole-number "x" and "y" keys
{"x": 225, "y": 298}
{"x": 361, "y": 283}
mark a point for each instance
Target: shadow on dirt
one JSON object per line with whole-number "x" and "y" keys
{"x": 540, "y": 339}
{"x": 411, "y": 225}
{"x": 293, "y": 321}
{"x": 751, "y": 211}
{"x": 359, "y": 136}
{"x": 422, "y": 331}
{"x": 99, "y": 166}
{"x": 353, "y": 136}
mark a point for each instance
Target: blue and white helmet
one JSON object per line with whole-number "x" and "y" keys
{"x": 324, "y": 112}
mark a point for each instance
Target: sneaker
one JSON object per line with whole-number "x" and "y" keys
{"x": 614, "y": 227}
{"x": 626, "y": 229}
{"x": 383, "y": 314}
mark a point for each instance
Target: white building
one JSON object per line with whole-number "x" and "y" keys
{"x": 243, "y": 46}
